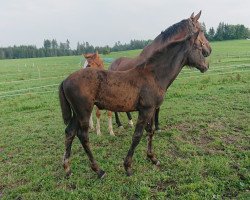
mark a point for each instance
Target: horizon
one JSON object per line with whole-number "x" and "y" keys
{"x": 110, "y": 46}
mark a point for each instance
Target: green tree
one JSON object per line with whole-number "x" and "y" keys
{"x": 211, "y": 33}
{"x": 54, "y": 44}
{"x": 47, "y": 44}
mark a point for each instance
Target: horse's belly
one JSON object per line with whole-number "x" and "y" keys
{"x": 120, "y": 101}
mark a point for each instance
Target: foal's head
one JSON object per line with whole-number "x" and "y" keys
{"x": 200, "y": 47}
{"x": 94, "y": 60}
{"x": 206, "y": 48}
{"x": 196, "y": 57}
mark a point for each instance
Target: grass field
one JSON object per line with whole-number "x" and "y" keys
{"x": 204, "y": 145}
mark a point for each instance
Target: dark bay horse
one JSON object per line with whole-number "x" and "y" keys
{"x": 125, "y": 63}
{"x": 141, "y": 89}
{"x": 93, "y": 60}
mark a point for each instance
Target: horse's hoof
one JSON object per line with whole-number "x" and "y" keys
{"x": 158, "y": 163}
{"x": 68, "y": 174}
{"x": 158, "y": 130}
{"x": 129, "y": 172}
{"x": 121, "y": 127}
{"x": 130, "y": 123}
{"x": 101, "y": 174}
{"x": 112, "y": 133}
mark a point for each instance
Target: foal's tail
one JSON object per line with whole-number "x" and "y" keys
{"x": 65, "y": 106}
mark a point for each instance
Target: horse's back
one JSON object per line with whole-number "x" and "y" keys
{"x": 121, "y": 64}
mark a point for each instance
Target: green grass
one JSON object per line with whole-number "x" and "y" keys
{"x": 204, "y": 145}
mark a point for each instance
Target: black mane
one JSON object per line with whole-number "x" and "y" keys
{"x": 163, "y": 40}
{"x": 175, "y": 29}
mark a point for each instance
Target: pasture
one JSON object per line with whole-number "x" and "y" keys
{"x": 204, "y": 145}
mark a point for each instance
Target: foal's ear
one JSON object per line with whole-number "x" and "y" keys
{"x": 197, "y": 17}
{"x": 192, "y": 15}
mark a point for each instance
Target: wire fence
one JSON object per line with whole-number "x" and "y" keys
{"x": 214, "y": 69}
{"x": 29, "y": 91}
{"x": 40, "y": 71}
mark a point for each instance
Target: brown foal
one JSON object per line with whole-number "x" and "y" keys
{"x": 93, "y": 60}
{"x": 141, "y": 88}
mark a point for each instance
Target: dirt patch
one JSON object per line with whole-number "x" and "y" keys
{"x": 237, "y": 141}
{"x": 204, "y": 140}
{"x": 161, "y": 186}
{"x": 1, "y": 190}
{"x": 217, "y": 125}
{"x": 182, "y": 127}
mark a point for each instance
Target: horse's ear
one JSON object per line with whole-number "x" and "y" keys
{"x": 192, "y": 15}
{"x": 84, "y": 55}
{"x": 97, "y": 53}
{"x": 197, "y": 17}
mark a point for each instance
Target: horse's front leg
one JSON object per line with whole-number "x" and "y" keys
{"x": 130, "y": 122}
{"x": 98, "y": 116}
{"x": 91, "y": 123}
{"x": 143, "y": 118}
{"x": 117, "y": 120}
{"x": 111, "y": 132}
{"x": 150, "y": 154}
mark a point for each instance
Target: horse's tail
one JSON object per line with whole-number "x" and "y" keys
{"x": 65, "y": 106}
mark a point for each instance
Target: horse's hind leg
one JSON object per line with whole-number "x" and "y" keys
{"x": 111, "y": 132}
{"x": 83, "y": 136}
{"x": 70, "y": 133}
{"x": 130, "y": 122}
{"x": 157, "y": 119}
{"x": 150, "y": 154}
{"x": 143, "y": 119}
{"x": 98, "y": 116}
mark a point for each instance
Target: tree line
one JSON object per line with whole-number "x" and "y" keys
{"x": 226, "y": 32}
{"x": 53, "y": 48}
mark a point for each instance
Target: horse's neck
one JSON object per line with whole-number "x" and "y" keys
{"x": 158, "y": 43}
{"x": 167, "y": 67}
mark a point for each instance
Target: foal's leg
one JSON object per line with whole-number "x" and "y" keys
{"x": 150, "y": 154}
{"x": 143, "y": 119}
{"x": 130, "y": 122}
{"x": 70, "y": 133}
{"x": 98, "y": 115}
{"x": 83, "y": 136}
{"x": 91, "y": 123}
{"x": 117, "y": 120}
{"x": 111, "y": 132}
{"x": 157, "y": 119}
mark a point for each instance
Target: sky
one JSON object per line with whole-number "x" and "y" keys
{"x": 104, "y": 22}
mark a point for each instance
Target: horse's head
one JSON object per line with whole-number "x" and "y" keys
{"x": 196, "y": 57}
{"x": 94, "y": 60}
{"x": 206, "y": 48}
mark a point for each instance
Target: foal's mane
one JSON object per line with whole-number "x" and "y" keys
{"x": 165, "y": 39}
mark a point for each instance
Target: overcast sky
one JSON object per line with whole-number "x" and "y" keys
{"x": 104, "y": 22}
